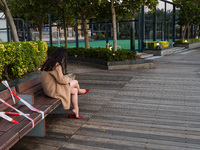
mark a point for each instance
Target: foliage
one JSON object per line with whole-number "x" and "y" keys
{"x": 153, "y": 44}
{"x": 19, "y": 58}
{"x": 126, "y": 9}
{"x": 100, "y": 37}
{"x": 6, "y": 10}
{"x": 32, "y": 11}
{"x": 63, "y": 10}
{"x": 187, "y": 41}
{"x": 188, "y": 14}
{"x": 100, "y": 53}
{"x": 160, "y": 14}
{"x": 85, "y": 10}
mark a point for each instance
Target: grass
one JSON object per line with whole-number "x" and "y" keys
{"x": 125, "y": 44}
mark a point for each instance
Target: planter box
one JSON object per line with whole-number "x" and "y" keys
{"x": 128, "y": 64}
{"x": 159, "y": 51}
{"x": 188, "y": 45}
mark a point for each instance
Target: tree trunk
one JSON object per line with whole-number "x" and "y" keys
{"x": 40, "y": 28}
{"x": 85, "y": 29}
{"x": 188, "y": 36}
{"x": 114, "y": 26}
{"x": 184, "y": 31}
{"x": 8, "y": 15}
{"x": 65, "y": 31}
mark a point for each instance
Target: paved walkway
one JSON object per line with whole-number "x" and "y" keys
{"x": 155, "y": 109}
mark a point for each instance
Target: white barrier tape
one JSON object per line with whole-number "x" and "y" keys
{"x": 29, "y": 105}
{"x": 7, "y": 85}
{"x": 33, "y": 122}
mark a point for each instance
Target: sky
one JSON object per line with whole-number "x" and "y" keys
{"x": 162, "y": 5}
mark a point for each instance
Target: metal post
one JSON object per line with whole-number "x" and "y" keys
{"x": 28, "y": 31}
{"x": 23, "y": 30}
{"x": 50, "y": 30}
{"x": 192, "y": 31}
{"x": 91, "y": 26}
{"x": 106, "y": 35}
{"x": 195, "y": 31}
{"x": 165, "y": 24}
{"x": 143, "y": 27}
{"x": 173, "y": 25}
{"x": 139, "y": 31}
{"x": 154, "y": 25}
{"x": 168, "y": 32}
{"x": 181, "y": 30}
{"x": 132, "y": 35}
{"x": 147, "y": 24}
{"x": 199, "y": 32}
{"x": 186, "y": 34}
{"x": 76, "y": 32}
{"x": 8, "y": 33}
{"x": 117, "y": 30}
{"x": 161, "y": 31}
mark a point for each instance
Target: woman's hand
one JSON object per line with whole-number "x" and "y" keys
{"x": 72, "y": 76}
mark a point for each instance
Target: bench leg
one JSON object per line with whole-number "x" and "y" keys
{"x": 58, "y": 110}
{"x": 39, "y": 130}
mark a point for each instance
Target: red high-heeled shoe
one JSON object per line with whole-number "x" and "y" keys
{"x": 74, "y": 116}
{"x": 86, "y": 90}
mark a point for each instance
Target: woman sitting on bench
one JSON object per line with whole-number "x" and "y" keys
{"x": 58, "y": 85}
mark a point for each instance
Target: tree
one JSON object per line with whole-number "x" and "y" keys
{"x": 126, "y": 8}
{"x": 189, "y": 13}
{"x": 85, "y": 9}
{"x": 5, "y": 9}
{"x": 34, "y": 12}
{"x": 63, "y": 8}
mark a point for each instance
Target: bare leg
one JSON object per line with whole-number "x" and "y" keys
{"x": 75, "y": 84}
{"x": 74, "y": 93}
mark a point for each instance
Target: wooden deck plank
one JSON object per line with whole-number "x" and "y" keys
{"x": 155, "y": 109}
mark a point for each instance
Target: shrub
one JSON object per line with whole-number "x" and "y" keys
{"x": 19, "y": 58}
{"x": 100, "y": 37}
{"x": 102, "y": 54}
{"x": 187, "y": 41}
{"x": 51, "y": 50}
{"x": 181, "y": 41}
{"x": 153, "y": 44}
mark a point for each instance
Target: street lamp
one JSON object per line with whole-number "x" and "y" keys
{"x": 158, "y": 44}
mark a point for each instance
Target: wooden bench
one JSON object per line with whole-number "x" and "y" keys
{"x": 32, "y": 92}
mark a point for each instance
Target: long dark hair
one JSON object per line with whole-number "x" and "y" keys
{"x": 59, "y": 56}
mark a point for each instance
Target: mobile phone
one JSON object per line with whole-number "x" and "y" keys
{"x": 70, "y": 76}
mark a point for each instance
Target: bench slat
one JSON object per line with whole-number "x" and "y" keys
{"x": 7, "y": 141}
{"x": 5, "y": 95}
{"x": 5, "y": 125}
{"x": 31, "y": 86}
{"x": 10, "y": 133}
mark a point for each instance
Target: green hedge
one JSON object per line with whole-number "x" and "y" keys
{"x": 100, "y": 53}
{"x": 19, "y": 58}
{"x": 153, "y": 44}
{"x": 187, "y": 41}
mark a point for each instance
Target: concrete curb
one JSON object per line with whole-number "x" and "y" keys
{"x": 128, "y": 64}
{"x": 188, "y": 45}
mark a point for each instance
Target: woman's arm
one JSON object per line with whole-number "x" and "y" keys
{"x": 59, "y": 77}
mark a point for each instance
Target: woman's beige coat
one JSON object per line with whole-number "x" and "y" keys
{"x": 56, "y": 85}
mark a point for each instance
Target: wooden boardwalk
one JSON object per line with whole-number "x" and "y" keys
{"x": 156, "y": 109}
